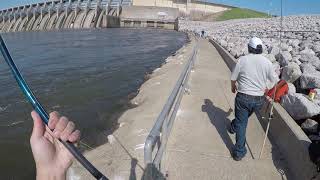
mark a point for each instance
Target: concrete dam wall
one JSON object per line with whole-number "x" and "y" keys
{"x": 63, "y": 14}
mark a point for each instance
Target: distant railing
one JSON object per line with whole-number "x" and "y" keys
{"x": 161, "y": 130}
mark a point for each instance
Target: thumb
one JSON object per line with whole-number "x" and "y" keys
{"x": 38, "y": 126}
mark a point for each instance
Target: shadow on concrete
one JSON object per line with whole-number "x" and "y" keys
{"x": 219, "y": 120}
{"x": 133, "y": 175}
{"x": 278, "y": 158}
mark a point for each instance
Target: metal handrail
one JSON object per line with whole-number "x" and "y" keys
{"x": 159, "y": 134}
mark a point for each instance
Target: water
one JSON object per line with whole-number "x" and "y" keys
{"x": 86, "y": 75}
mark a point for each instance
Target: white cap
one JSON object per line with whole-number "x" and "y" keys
{"x": 254, "y": 42}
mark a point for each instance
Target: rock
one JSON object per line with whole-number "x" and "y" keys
{"x": 308, "y": 58}
{"x": 296, "y": 60}
{"x": 307, "y": 68}
{"x": 316, "y": 63}
{"x": 271, "y": 57}
{"x": 305, "y": 44}
{"x": 284, "y": 58}
{"x": 276, "y": 68}
{"x": 310, "y": 80}
{"x": 237, "y": 52}
{"x": 307, "y": 51}
{"x": 308, "y": 55}
{"x": 299, "y": 106}
{"x": 295, "y": 52}
{"x": 285, "y": 47}
{"x": 310, "y": 126}
{"x": 295, "y": 43}
{"x": 316, "y": 48}
{"x": 291, "y": 72}
{"x": 274, "y": 50}
{"x": 292, "y": 88}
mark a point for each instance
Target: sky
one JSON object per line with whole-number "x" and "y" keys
{"x": 290, "y": 7}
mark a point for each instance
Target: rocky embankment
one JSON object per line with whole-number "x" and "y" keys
{"x": 295, "y": 56}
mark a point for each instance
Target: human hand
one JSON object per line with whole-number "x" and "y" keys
{"x": 51, "y": 157}
{"x": 233, "y": 87}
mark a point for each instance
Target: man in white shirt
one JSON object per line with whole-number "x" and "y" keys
{"x": 249, "y": 79}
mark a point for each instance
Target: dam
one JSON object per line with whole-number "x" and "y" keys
{"x": 82, "y": 14}
{"x": 62, "y": 14}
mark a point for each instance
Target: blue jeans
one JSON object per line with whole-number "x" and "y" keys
{"x": 245, "y": 105}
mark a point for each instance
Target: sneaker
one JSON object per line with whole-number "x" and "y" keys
{"x": 230, "y": 130}
{"x": 236, "y": 158}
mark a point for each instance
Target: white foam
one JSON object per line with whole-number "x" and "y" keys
{"x": 111, "y": 139}
{"x": 72, "y": 175}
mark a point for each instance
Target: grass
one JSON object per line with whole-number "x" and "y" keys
{"x": 239, "y": 13}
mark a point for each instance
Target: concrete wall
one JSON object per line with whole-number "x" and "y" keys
{"x": 148, "y": 16}
{"x": 284, "y": 131}
{"x": 183, "y": 6}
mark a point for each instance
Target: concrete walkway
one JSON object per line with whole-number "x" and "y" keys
{"x": 199, "y": 145}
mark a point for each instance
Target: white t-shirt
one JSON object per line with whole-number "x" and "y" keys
{"x": 253, "y": 73}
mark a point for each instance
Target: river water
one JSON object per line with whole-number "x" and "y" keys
{"x": 86, "y": 75}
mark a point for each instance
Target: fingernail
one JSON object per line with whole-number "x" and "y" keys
{"x": 56, "y": 133}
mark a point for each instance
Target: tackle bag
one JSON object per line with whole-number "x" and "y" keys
{"x": 282, "y": 89}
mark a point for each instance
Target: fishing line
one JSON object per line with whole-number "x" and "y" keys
{"x": 42, "y": 112}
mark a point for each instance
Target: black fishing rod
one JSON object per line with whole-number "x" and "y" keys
{"x": 42, "y": 112}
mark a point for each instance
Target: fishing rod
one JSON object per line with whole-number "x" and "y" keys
{"x": 42, "y": 112}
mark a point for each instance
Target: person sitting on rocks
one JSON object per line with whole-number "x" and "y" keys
{"x": 51, "y": 157}
{"x": 249, "y": 79}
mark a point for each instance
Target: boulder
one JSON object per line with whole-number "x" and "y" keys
{"x": 296, "y": 60}
{"x": 285, "y": 47}
{"x": 310, "y": 80}
{"x": 292, "y": 88}
{"x": 305, "y": 44}
{"x": 316, "y": 63}
{"x": 307, "y": 68}
{"x": 271, "y": 57}
{"x": 223, "y": 43}
{"x": 316, "y": 48}
{"x": 308, "y": 55}
{"x": 274, "y": 50}
{"x": 237, "y": 52}
{"x": 291, "y": 72}
{"x": 276, "y": 68}
{"x": 311, "y": 126}
{"x": 295, "y": 43}
{"x": 299, "y": 106}
{"x": 284, "y": 58}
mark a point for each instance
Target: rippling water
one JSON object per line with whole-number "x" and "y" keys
{"x": 86, "y": 75}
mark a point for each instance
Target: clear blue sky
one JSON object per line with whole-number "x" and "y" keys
{"x": 290, "y": 7}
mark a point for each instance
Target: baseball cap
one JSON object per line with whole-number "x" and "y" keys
{"x": 254, "y": 42}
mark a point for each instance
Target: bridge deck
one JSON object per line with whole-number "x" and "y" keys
{"x": 199, "y": 144}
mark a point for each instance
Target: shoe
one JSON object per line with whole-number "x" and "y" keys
{"x": 230, "y": 130}
{"x": 236, "y": 158}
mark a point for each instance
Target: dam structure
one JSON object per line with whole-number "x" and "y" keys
{"x": 62, "y": 14}
{"x": 78, "y": 14}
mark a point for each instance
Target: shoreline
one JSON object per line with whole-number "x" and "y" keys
{"x": 123, "y": 151}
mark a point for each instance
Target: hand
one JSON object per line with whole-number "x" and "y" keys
{"x": 233, "y": 87}
{"x": 234, "y": 90}
{"x": 51, "y": 157}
